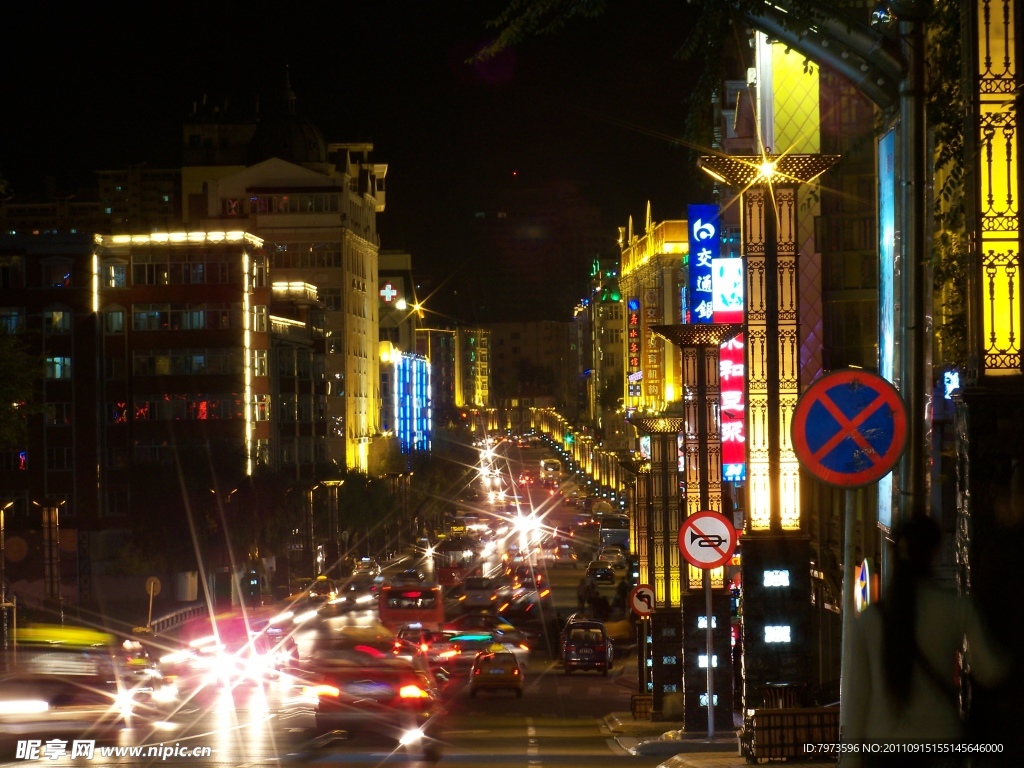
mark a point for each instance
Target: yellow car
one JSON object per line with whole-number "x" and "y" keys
{"x": 496, "y": 670}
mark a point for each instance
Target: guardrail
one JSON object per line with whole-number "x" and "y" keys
{"x": 181, "y": 615}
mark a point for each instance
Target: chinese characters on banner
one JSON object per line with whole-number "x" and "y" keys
{"x": 705, "y": 246}
{"x": 634, "y": 374}
{"x": 653, "y": 352}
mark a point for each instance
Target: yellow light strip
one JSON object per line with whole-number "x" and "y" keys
{"x": 181, "y": 237}
{"x": 247, "y": 342}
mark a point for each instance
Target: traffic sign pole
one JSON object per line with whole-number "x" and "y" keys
{"x": 706, "y": 578}
{"x": 707, "y": 540}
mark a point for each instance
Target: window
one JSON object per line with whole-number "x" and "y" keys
{"x": 261, "y": 408}
{"x": 288, "y": 403}
{"x": 150, "y": 274}
{"x": 58, "y": 367}
{"x": 13, "y": 460}
{"x": 57, "y": 275}
{"x": 58, "y": 458}
{"x": 56, "y": 321}
{"x": 58, "y": 414}
{"x": 114, "y": 368}
{"x": 331, "y": 297}
{"x": 12, "y": 320}
{"x": 259, "y": 362}
{"x": 115, "y": 275}
{"x": 12, "y": 272}
{"x": 259, "y": 319}
{"x": 113, "y": 321}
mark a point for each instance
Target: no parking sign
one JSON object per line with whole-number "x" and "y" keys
{"x": 849, "y": 428}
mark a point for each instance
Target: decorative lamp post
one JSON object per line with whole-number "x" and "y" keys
{"x": 777, "y": 622}
{"x": 699, "y": 344}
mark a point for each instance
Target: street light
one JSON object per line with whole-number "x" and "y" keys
{"x": 333, "y": 551}
{"x": 3, "y": 579}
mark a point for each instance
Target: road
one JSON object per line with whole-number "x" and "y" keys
{"x": 559, "y": 721}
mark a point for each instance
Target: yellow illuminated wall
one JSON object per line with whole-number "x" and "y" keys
{"x": 652, "y": 271}
{"x": 998, "y": 190}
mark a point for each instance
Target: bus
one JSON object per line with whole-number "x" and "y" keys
{"x": 455, "y": 559}
{"x": 550, "y": 470}
{"x": 399, "y": 606}
{"x": 614, "y": 531}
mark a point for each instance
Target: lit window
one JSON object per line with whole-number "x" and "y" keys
{"x": 702, "y": 622}
{"x": 778, "y": 578}
{"x": 56, "y": 322}
{"x": 777, "y": 634}
{"x": 58, "y": 367}
{"x": 702, "y": 660}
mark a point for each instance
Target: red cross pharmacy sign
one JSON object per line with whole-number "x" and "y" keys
{"x": 849, "y": 428}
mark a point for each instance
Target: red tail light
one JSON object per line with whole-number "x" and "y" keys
{"x": 600, "y": 649}
{"x": 412, "y": 692}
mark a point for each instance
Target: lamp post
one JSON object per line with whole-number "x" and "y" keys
{"x": 310, "y": 541}
{"x": 333, "y": 554}
{"x": 3, "y": 579}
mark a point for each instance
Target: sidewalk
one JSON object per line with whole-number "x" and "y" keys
{"x": 681, "y": 750}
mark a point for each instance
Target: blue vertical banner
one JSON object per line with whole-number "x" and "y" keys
{"x": 705, "y": 246}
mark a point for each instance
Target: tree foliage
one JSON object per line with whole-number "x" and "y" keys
{"x": 20, "y": 373}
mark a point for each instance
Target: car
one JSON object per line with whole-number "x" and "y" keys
{"x": 409, "y": 576}
{"x": 613, "y": 555}
{"x": 487, "y": 622}
{"x": 77, "y": 682}
{"x": 361, "y": 687}
{"x": 497, "y": 670}
{"x": 601, "y": 570}
{"x": 460, "y": 650}
{"x": 322, "y": 589}
{"x": 586, "y": 646}
{"x": 479, "y": 593}
{"x": 367, "y": 565}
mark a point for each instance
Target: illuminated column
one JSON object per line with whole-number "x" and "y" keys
{"x": 701, "y": 465}
{"x": 990, "y": 406}
{"x": 777, "y": 627}
{"x": 663, "y": 557}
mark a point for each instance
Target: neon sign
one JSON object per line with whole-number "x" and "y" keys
{"x": 704, "y": 248}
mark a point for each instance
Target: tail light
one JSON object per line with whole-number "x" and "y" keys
{"x": 321, "y": 690}
{"x": 412, "y": 692}
{"x": 515, "y": 671}
{"x": 599, "y": 648}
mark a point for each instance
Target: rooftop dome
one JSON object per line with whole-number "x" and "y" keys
{"x": 286, "y": 135}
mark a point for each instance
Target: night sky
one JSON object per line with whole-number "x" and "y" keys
{"x": 598, "y": 104}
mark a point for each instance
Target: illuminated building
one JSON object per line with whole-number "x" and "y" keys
{"x": 405, "y": 385}
{"x": 651, "y": 287}
{"x": 598, "y": 336}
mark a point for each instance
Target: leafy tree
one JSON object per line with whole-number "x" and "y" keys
{"x": 20, "y": 373}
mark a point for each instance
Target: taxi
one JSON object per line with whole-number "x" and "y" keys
{"x": 496, "y": 670}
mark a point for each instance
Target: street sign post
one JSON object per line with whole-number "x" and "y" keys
{"x": 641, "y": 600}
{"x": 849, "y": 428}
{"x": 707, "y": 540}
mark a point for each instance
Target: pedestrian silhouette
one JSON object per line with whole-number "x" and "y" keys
{"x": 581, "y": 595}
{"x": 900, "y": 685}
{"x": 998, "y": 711}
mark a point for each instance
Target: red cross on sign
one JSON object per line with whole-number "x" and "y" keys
{"x": 388, "y": 293}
